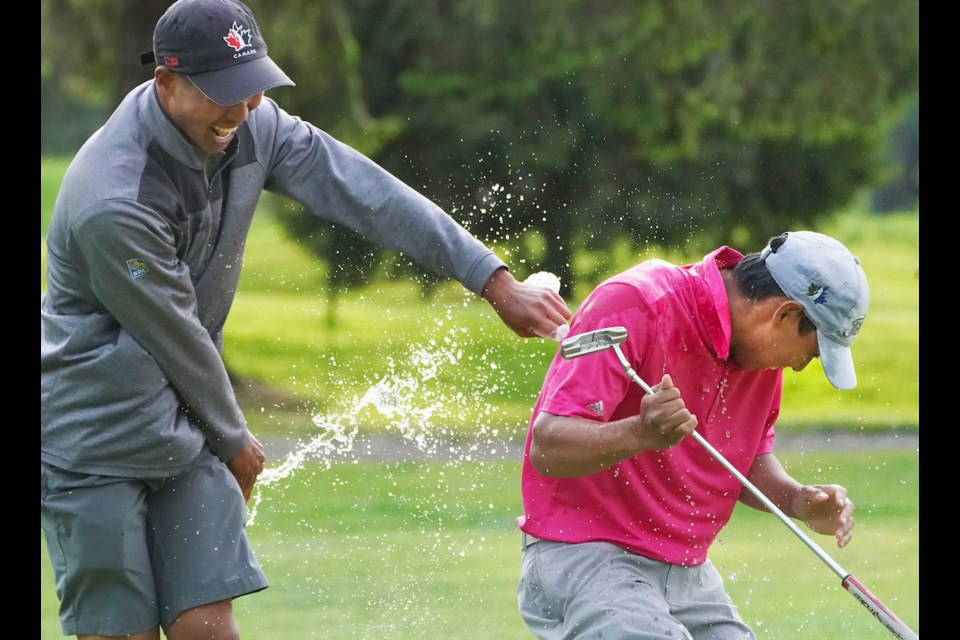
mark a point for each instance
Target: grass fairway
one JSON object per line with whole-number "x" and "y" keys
{"x": 430, "y": 551}
{"x": 422, "y": 551}
{"x": 279, "y": 333}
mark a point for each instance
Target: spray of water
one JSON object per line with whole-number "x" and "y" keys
{"x": 414, "y": 404}
{"x": 411, "y": 397}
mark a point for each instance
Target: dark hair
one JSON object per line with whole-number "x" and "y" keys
{"x": 752, "y": 276}
{"x": 756, "y": 282}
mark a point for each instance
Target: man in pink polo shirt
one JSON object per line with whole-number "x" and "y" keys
{"x": 620, "y": 508}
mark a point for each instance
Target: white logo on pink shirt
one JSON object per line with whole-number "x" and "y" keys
{"x": 596, "y": 407}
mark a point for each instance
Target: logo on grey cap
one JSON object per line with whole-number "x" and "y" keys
{"x": 854, "y": 328}
{"x": 817, "y": 293}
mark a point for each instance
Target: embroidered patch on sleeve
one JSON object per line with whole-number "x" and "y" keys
{"x": 137, "y": 267}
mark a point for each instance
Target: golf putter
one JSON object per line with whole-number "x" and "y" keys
{"x": 611, "y": 338}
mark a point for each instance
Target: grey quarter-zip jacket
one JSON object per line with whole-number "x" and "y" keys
{"x": 144, "y": 253}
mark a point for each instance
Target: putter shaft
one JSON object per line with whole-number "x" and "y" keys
{"x": 612, "y": 338}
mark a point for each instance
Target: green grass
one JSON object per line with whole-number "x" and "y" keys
{"x": 430, "y": 550}
{"x": 382, "y": 324}
{"x": 483, "y": 378}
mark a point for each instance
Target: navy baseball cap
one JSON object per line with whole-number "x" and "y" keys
{"x": 218, "y": 45}
{"x": 822, "y": 275}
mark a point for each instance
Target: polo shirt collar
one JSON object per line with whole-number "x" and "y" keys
{"x": 716, "y": 316}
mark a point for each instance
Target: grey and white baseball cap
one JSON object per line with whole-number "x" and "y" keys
{"x": 821, "y": 274}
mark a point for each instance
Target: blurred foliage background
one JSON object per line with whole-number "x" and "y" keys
{"x": 551, "y": 127}
{"x": 575, "y": 136}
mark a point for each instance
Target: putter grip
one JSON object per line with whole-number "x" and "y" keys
{"x": 885, "y": 616}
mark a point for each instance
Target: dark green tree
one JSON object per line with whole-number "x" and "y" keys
{"x": 661, "y": 121}
{"x": 546, "y": 126}
{"x": 89, "y": 59}
{"x": 90, "y": 49}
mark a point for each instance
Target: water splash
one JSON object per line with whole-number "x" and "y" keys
{"x": 407, "y": 400}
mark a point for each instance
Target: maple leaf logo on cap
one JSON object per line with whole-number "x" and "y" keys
{"x": 238, "y": 37}
{"x": 817, "y": 293}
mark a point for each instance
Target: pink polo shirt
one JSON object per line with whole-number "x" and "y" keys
{"x": 665, "y": 505}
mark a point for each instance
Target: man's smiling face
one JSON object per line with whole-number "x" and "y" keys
{"x": 208, "y": 125}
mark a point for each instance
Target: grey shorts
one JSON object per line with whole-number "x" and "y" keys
{"x": 131, "y": 554}
{"x": 598, "y": 590}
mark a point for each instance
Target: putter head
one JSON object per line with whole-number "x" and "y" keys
{"x": 586, "y": 343}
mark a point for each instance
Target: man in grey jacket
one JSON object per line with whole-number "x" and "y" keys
{"x": 146, "y": 460}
